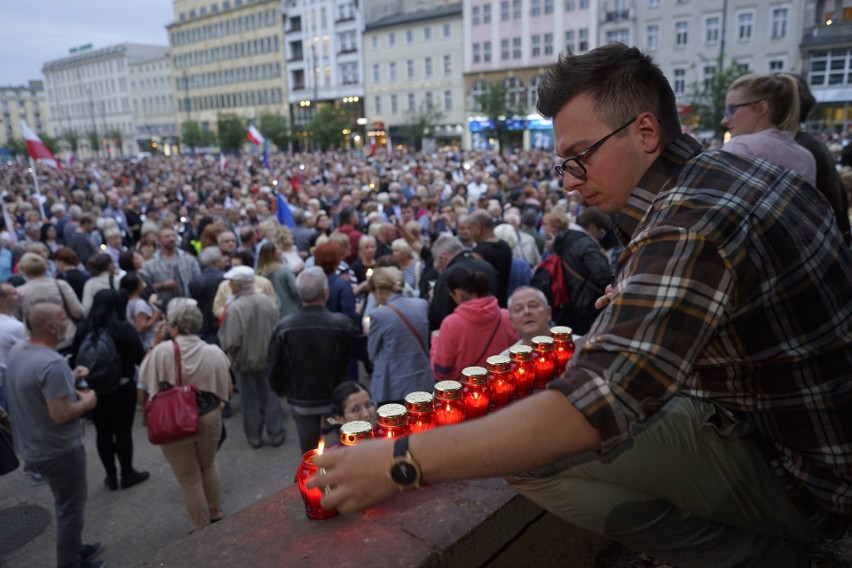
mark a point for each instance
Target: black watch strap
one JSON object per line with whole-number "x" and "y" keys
{"x": 400, "y": 447}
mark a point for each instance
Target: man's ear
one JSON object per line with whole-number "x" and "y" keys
{"x": 650, "y": 131}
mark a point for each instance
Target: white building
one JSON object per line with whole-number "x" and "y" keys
{"x": 19, "y": 103}
{"x": 413, "y": 62}
{"x": 153, "y": 100}
{"x": 88, "y": 94}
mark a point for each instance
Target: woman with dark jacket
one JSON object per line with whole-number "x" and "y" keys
{"x": 113, "y": 415}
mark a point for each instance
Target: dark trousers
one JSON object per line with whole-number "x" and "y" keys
{"x": 309, "y": 428}
{"x": 113, "y": 418}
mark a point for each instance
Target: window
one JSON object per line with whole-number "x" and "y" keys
{"x": 427, "y": 33}
{"x": 548, "y": 44}
{"x": 653, "y": 3}
{"x": 779, "y": 22}
{"x": 584, "y": 39}
{"x": 377, "y": 73}
{"x": 504, "y": 11}
{"x": 745, "y": 26}
{"x": 391, "y": 39}
{"x": 569, "y": 40}
{"x": 486, "y": 51}
{"x": 377, "y": 103}
{"x": 409, "y": 68}
{"x": 514, "y": 92}
{"x": 708, "y": 73}
{"x": 374, "y": 40}
{"x": 681, "y": 33}
{"x": 516, "y": 9}
{"x": 679, "y": 86}
{"x": 427, "y": 67}
{"x": 411, "y": 105}
{"x": 504, "y": 49}
{"x": 476, "y": 48}
{"x": 535, "y": 8}
{"x": 516, "y": 48}
{"x": 548, "y": 6}
{"x": 486, "y": 14}
{"x": 428, "y": 99}
{"x": 475, "y": 18}
{"x": 448, "y": 64}
{"x": 448, "y": 100}
{"x": 448, "y": 30}
{"x": 652, "y": 37}
{"x": 584, "y": 4}
{"x": 712, "y": 30}
{"x": 394, "y": 104}
{"x": 409, "y": 36}
{"x": 776, "y": 65}
{"x": 535, "y": 45}
{"x": 392, "y": 70}
{"x": 570, "y": 5}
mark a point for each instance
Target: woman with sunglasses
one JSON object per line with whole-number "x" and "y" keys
{"x": 762, "y": 115}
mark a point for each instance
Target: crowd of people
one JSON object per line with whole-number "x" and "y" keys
{"x": 303, "y": 276}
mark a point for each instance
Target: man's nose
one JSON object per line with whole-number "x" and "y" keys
{"x": 570, "y": 182}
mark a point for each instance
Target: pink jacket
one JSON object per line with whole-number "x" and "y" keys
{"x": 464, "y": 337}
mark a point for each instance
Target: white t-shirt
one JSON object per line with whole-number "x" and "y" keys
{"x": 11, "y": 332}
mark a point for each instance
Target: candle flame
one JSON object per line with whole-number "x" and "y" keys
{"x": 320, "y": 447}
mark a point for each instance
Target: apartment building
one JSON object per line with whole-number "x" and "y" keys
{"x": 153, "y": 100}
{"x": 227, "y": 57}
{"x": 88, "y": 97}
{"x": 413, "y": 65}
{"x": 17, "y": 103}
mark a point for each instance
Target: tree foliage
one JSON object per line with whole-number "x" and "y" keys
{"x": 232, "y": 132}
{"x": 72, "y": 139}
{"x": 709, "y": 97}
{"x": 94, "y": 140}
{"x": 193, "y": 137}
{"x": 17, "y": 146}
{"x": 495, "y": 104}
{"x": 422, "y": 122}
{"x": 49, "y": 141}
{"x": 115, "y": 136}
{"x": 327, "y": 126}
{"x": 275, "y": 127}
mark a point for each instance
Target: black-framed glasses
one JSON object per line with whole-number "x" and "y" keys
{"x": 574, "y": 166}
{"x": 731, "y": 109}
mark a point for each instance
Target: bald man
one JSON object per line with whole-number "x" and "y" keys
{"x": 45, "y": 407}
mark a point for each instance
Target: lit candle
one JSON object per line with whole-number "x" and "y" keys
{"x": 449, "y": 407}
{"x": 475, "y": 391}
{"x": 421, "y": 411}
{"x": 353, "y": 432}
{"x": 545, "y": 360}
{"x": 312, "y": 497}
{"x": 564, "y": 343}
{"x": 523, "y": 369}
{"x": 392, "y": 422}
{"x": 501, "y": 382}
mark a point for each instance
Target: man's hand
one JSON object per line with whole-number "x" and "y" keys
{"x": 357, "y": 476}
{"x": 606, "y": 299}
{"x": 88, "y": 398}
{"x": 80, "y": 371}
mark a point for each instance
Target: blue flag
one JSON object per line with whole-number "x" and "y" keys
{"x": 285, "y": 215}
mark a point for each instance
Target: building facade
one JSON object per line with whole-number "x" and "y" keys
{"x": 19, "y": 103}
{"x": 153, "y": 100}
{"x": 89, "y": 99}
{"x": 226, "y": 58}
{"x": 413, "y": 65}
{"x": 325, "y": 65}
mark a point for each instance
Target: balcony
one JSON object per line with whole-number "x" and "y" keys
{"x": 293, "y": 30}
{"x": 297, "y": 87}
{"x": 617, "y": 15}
{"x": 296, "y": 59}
{"x": 347, "y": 51}
{"x": 824, "y": 35}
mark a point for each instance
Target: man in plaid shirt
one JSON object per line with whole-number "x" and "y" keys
{"x": 706, "y": 421}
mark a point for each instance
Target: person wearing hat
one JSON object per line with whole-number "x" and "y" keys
{"x": 244, "y": 335}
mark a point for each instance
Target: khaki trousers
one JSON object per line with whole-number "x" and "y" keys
{"x": 193, "y": 461}
{"x": 692, "y": 490}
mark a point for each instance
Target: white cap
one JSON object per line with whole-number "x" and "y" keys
{"x": 241, "y": 274}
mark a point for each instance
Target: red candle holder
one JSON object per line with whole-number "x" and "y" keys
{"x": 312, "y": 497}
{"x": 449, "y": 406}
{"x": 475, "y": 391}
{"x": 421, "y": 411}
{"x": 545, "y": 360}
{"x": 523, "y": 369}
{"x": 392, "y": 422}
{"x": 353, "y": 432}
{"x": 501, "y": 382}
{"x": 563, "y": 340}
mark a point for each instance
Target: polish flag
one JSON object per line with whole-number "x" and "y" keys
{"x": 36, "y": 148}
{"x": 255, "y": 137}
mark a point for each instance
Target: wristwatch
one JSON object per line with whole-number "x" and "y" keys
{"x": 404, "y": 471}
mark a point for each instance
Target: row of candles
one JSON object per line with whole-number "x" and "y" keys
{"x": 481, "y": 390}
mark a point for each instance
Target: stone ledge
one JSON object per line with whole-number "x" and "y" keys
{"x": 459, "y": 524}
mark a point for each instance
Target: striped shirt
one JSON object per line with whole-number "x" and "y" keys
{"x": 734, "y": 287}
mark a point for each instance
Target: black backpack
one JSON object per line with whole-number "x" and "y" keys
{"x": 98, "y": 353}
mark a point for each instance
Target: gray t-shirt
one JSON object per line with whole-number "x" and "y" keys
{"x": 35, "y": 375}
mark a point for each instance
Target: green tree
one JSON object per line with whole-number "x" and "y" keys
{"x": 115, "y": 136}
{"x": 17, "y": 147}
{"x": 274, "y": 126}
{"x": 495, "y": 104}
{"x": 192, "y": 135}
{"x": 422, "y": 122}
{"x": 72, "y": 139}
{"x": 49, "y": 141}
{"x": 232, "y": 132}
{"x": 328, "y": 125}
{"x": 708, "y": 97}
{"x": 94, "y": 140}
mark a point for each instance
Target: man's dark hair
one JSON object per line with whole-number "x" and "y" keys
{"x": 593, "y": 215}
{"x": 245, "y": 256}
{"x": 346, "y": 216}
{"x": 622, "y": 81}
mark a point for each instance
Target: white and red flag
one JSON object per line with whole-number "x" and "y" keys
{"x": 255, "y": 137}
{"x": 37, "y": 149}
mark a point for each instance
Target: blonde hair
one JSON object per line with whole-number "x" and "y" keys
{"x": 781, "y": 93}
{"x": 402, "y": 246}
{"x": 387, "y": 278}
{"x": 32, "y": 264}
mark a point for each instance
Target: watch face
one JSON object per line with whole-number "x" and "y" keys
{"x": 403, "y": 473}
